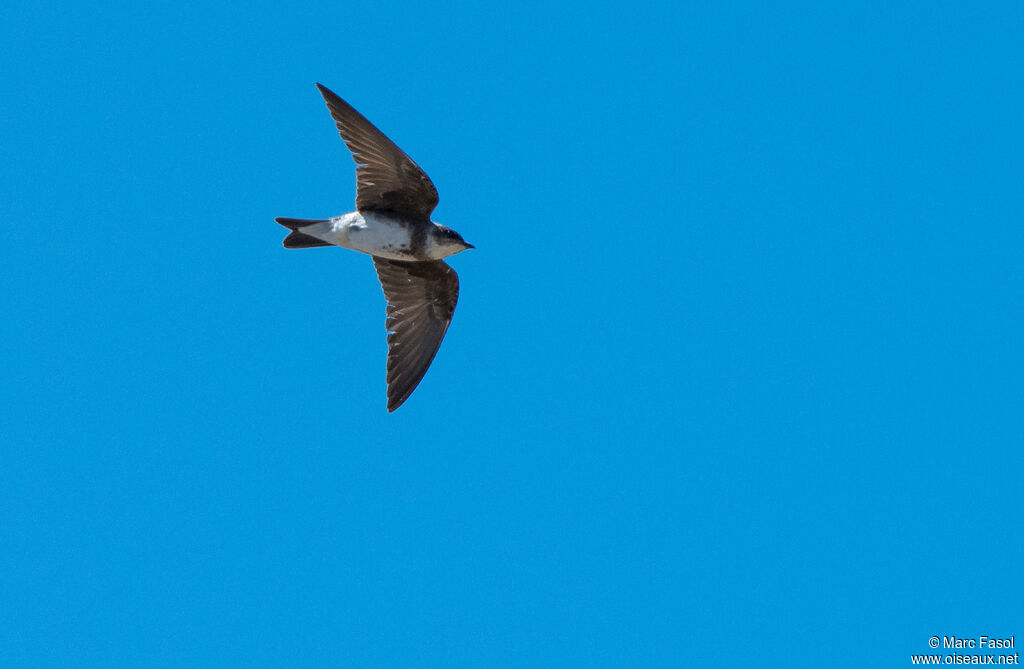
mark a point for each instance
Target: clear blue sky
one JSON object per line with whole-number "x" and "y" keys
{"x": 735, "y": 377}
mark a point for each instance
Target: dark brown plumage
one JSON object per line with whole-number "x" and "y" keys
{"x": 387, "y": 180}
{"x": 421, "y": 302}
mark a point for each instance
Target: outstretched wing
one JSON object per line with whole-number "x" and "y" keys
{"x": 387, "y": 180}
{"x": 421, "y": 301}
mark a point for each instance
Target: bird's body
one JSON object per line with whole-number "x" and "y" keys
{"x": 394, "y": 200}
{"x": 382, "y": 236}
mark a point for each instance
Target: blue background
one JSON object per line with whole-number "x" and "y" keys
{"x": 735, "y": 377}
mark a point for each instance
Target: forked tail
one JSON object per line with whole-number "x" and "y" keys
{"x": 297, "y": 239}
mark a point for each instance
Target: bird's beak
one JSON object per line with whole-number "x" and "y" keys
{"x": 470, "y": 246}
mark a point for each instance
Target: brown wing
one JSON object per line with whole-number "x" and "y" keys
{"x": 421, "y": 301}
{"x": 386, "y": 178}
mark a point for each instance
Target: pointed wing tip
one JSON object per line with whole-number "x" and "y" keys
{"x": 325, "y": 92}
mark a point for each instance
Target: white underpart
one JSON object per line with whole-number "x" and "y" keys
{"x": 366, "y": 233}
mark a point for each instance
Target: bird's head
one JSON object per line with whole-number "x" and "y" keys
{"x": 447, "y": 242}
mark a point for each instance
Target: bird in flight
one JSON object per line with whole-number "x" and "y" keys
{"x": 391, "y": 223}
